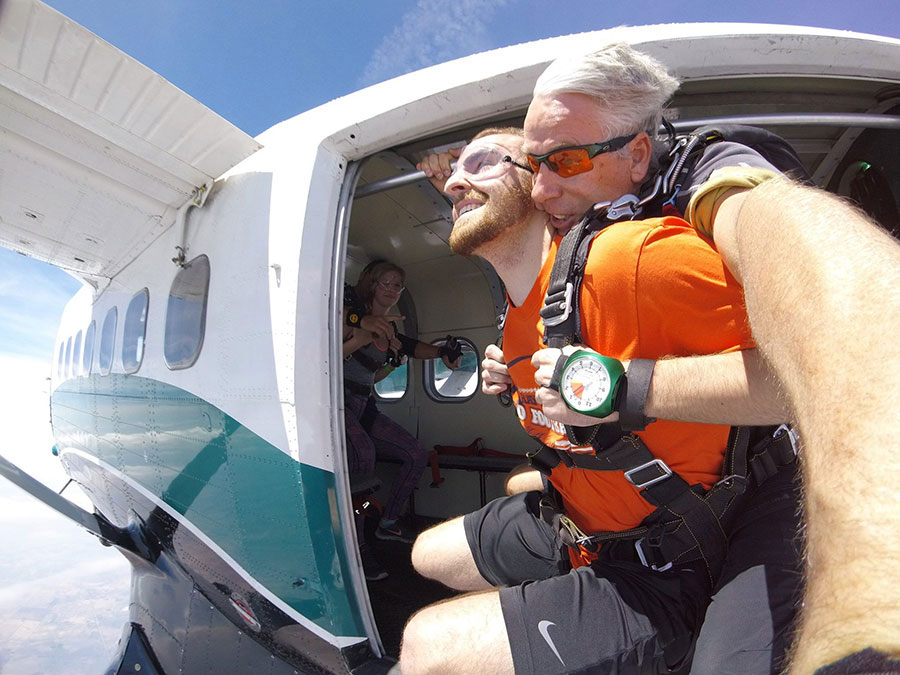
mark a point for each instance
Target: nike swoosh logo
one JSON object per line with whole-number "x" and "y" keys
{"x": 543, "y": 627}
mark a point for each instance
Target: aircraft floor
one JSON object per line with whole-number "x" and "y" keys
{"x": 402, "y": 593}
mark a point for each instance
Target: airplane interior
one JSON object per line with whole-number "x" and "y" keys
{"x": 448, "y": 294}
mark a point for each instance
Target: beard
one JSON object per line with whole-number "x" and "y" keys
{"x": 497, "y": 215}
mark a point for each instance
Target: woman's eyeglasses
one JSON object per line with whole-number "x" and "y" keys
{"x": 575, "y": 159}
{"x": 392, "y": 285}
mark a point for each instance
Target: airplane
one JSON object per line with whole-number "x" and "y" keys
{"x": 196, "y": 392}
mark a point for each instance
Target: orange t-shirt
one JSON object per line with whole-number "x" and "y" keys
{"x": 651, "y": 289}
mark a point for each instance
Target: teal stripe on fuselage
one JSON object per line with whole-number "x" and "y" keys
{"x": 274, "y": 516}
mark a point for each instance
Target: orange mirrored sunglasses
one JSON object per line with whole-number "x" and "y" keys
{"x": 575, "y": 159}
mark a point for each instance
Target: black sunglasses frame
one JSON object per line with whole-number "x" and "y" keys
{"x": 510, "y": 160}
{"x": 593, "y": 149}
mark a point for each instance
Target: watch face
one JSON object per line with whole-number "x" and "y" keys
{"x": 586, "y": 384}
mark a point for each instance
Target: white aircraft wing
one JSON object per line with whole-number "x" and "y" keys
{"x": 97, "y": 152}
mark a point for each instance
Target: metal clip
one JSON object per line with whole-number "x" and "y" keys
{"x": 565, "y": 306}
{"x": 792, "y": 436}
{"x": 622, "y": 208}
{"x": 639, "y": 547}
{"x": 665, "y": 472}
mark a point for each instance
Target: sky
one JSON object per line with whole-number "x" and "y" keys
{"x": 255, "y": 64}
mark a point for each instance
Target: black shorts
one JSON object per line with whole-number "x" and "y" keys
{"x": 614, "y": 616}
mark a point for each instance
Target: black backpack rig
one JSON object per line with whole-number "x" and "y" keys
{"x": 689, "y": 522}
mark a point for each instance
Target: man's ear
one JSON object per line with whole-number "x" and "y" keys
{"x": 641, "y": 149}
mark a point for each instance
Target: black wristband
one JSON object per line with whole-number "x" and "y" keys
{"x": 557, "y": 372}
{"x": 633, "y": 396}
{"x": 354, "y": 317}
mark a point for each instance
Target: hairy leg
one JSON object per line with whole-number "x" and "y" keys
{"x": 462, "y": 635}
{"x": 442, "y": 553}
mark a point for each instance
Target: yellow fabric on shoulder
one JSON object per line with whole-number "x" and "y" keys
{"x": 703, "y": 203}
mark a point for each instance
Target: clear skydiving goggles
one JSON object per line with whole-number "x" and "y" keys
{"x": 482, "y": 161}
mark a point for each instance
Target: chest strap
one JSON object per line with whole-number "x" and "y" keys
{"x": 357, "y": 388}
{"x": 368, "y": 362}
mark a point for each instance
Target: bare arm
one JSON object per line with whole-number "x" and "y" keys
{"x": 734, "y": 388}
{"x": 425, "y": 350}
{"x": 824, "y": 306}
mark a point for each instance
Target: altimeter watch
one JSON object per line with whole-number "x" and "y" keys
{"x": 589, "y": 383}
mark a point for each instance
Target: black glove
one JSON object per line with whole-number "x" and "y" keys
{"x": 451, "y": 349}
{"x": 394, "y": 359}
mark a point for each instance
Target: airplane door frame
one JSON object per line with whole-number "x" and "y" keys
{"x": 341, "y": 471}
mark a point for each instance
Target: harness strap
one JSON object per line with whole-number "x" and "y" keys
{"x": 561, "y": 321}
{"x": 689, "y": 523}
{"x": 369, "y": 363}
{"x": 357, "y": 388}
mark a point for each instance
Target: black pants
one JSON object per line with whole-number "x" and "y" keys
{"x": 750, "y": 621}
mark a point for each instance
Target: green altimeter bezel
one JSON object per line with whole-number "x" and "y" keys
{"x": 589, "y": 383}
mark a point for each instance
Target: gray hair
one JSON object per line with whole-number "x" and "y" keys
{"x": 633, "y": 87}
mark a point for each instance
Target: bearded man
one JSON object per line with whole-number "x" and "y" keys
{"x": 542, "y": 609}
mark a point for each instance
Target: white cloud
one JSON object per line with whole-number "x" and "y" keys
{"x": 432, "y": 32}
{"x": 32, "y": 297}
{"x": 63, "y": 596}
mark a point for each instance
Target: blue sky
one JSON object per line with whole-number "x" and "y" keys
{"x": 256, "y": 64}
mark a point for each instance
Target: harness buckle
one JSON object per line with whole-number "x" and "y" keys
{"x": 736, "y": 481}
{"x": 564, "y": 307}
{"x": 623, "y": 207}
{"x": 577, "y": 536}
{"x": 661, "y": 471}
{"x": 639, "y": 547}
{"x": 792, "y": 437}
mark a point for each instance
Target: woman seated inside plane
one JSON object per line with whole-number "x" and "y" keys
{"x": 368, "y": 358}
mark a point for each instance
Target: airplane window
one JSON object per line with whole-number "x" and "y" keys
{"x": 62, "y": 359}
{"x": 394, "y": 385}
{"x": 76, "y": 355}
{"x": 67, "y": 371}
{"x": 443, "y": 384}
{"x": 134, "y": 332}
{"x": 88, "y": 353}
{"x": 186, "y": 314}
{"x": 107, "y": 340}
